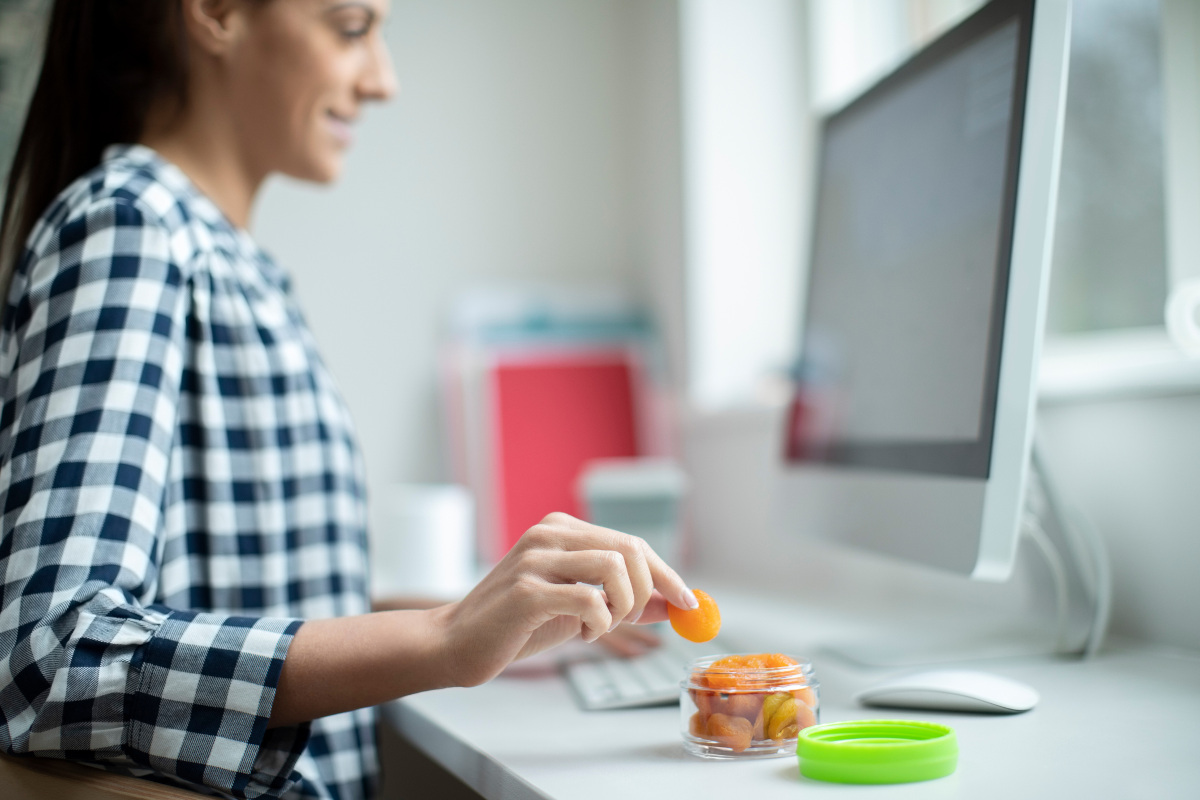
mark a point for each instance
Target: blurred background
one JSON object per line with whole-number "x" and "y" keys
{"x": 661, "y": 150}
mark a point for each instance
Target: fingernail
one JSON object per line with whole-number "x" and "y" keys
{"x": 613, "y": 627}
{"x": 690, "y": 599}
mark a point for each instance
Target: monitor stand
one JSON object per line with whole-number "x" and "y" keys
{"x": 1076, "y": 582}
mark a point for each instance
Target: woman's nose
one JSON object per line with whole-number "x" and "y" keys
{"x": 379, "y": 80}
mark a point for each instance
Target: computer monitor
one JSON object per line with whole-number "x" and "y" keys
{"x": 911, "y": 425}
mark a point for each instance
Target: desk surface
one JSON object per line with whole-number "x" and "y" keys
{"x": 1125, "y": 725}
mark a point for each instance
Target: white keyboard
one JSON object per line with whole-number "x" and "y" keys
{"x": 648, "y": 680}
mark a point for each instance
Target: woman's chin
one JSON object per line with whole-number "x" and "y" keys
{"x": 325, "y": 169}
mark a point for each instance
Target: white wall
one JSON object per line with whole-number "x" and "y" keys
{"x": 747, "y": 137}
{"x": 1131, "y": 464}
{"x": 658, "y": 215}
{"x": 516, "y": 150}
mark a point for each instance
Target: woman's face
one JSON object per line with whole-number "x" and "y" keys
{"x": 300, "y": 78}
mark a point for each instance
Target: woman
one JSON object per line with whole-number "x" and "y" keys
{"x": 183, "y": 551}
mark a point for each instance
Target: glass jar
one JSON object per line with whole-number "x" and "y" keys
{"x": 747, "y": 706}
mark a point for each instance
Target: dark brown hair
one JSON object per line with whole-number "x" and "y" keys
{"x": 106, "y": 63}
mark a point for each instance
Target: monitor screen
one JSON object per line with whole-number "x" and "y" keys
{"x": 926, "y": 291}
{"x": 906, "y": 288}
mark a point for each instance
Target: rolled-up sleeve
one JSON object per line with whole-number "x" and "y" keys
{"x": 90, "y": 668}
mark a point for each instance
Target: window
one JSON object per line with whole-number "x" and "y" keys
{"x": 1111, "y": 279}
{"x": 1110, "y": 268}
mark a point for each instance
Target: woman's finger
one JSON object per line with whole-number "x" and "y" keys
{"x": 655, "y": 610}
{"x": 668, "y": 582}
{"x": 645, "y": 568}
{"x": 578, "y": 600}
{"x": 601, "y": 567}
{"x": 640, "y": 577}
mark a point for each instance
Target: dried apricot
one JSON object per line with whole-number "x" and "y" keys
{"x": 758, "y": 725}
{"x": 696, "y": 624}
{"x": 743, "y": 705}
{"x": 806, "y": 696}
{"x": 771, "y": 704}
{"x": 722, "y": 673}
{"x": 778, "y": 660}
{"x": 784, "y": 715}
{"x": 728, "y": 662}
{"x": 756, "y": 671}
{"x": 805, "y": 716}
{"x": 703, "y": 701}
{"x": 789, "y": 732}
{"x": 698, "y": 725}
{"x": 733, "y": 732}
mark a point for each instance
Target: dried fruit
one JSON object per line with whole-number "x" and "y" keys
{"x": 743, "y": 705}
{"x": 771, "y": 704}
{"x": 703, "y": 701}
{"x": 756, "y": 671}
{"x": 778, "y": 661}
{"x": 696, "y": 624}
{"x": 805, "y": 716}
{"x": 758, "y": 725}
{"x": 784, "y": 715}
{"x": 733, "y": 732}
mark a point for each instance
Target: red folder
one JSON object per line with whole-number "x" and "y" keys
{"x": 551, "y": 413}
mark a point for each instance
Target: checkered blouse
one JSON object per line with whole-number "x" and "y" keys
{"x": 180, "y": 486}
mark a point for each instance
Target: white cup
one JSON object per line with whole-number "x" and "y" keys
{"x": 426, "y": 546}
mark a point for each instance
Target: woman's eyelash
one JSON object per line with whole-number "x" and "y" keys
{"x": 352, "y": 18}
{"x": 356, "y": 27}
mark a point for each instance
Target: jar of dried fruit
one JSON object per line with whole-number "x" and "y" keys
{"x": 747, "y": 706}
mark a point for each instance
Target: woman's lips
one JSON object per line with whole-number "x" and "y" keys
{"x": 340, "y": 128}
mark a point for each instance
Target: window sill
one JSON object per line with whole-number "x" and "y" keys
{"x": 1121, "y": 364}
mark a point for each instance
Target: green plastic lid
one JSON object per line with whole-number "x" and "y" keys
{"x": 877, "y": 751}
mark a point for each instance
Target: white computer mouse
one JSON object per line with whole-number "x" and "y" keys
{"x": 951, "y": 690}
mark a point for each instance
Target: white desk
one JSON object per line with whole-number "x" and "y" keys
{"x": 1124, "y": 725}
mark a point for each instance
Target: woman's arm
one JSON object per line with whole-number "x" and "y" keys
{"x": 405, "y": 602}
{"x": 539, "y": 595}
{"x": 336, "y": 665}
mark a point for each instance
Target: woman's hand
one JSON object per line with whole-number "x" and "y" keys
{"x": 536, "y": 597}
{"x": 543, "y": 592}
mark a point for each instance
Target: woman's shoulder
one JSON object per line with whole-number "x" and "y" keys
{"x": 131, "y": 187}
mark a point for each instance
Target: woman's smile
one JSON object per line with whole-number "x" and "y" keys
{"x": 340, "y": 126}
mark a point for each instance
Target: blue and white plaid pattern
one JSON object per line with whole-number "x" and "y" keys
{"x": 180, "y": 486}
